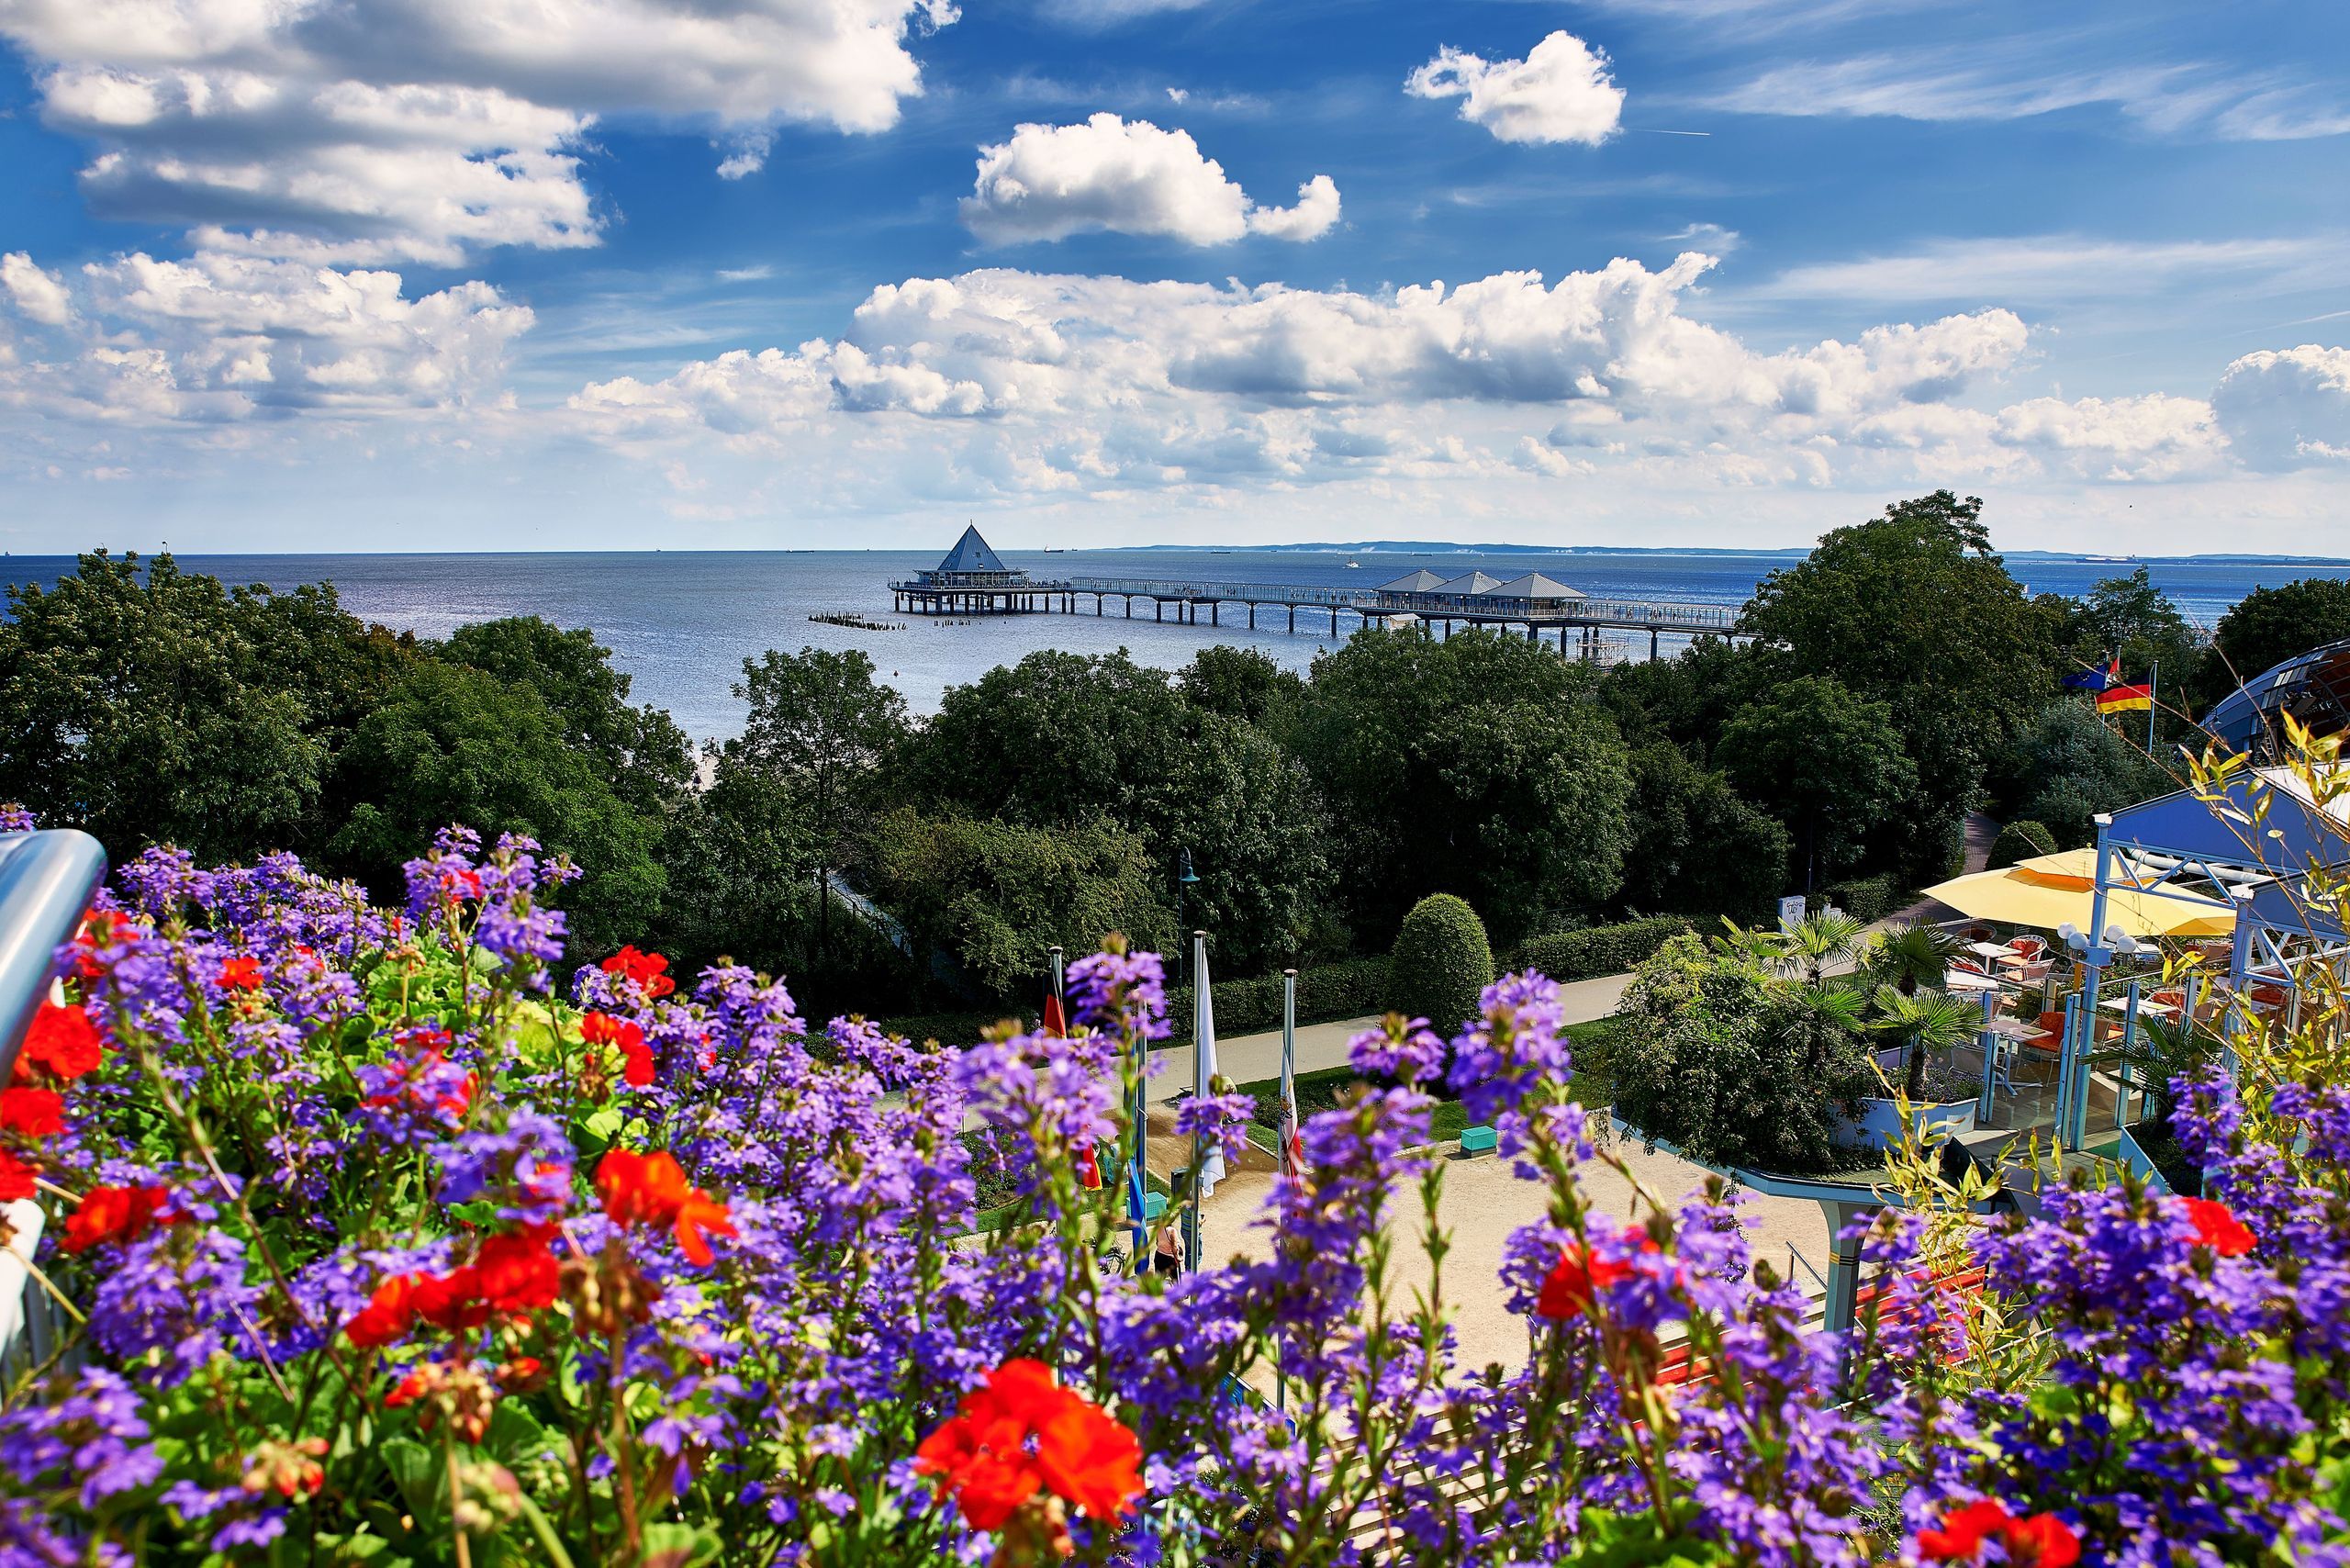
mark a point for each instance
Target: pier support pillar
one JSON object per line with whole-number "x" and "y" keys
{"x": 1159, "y": 610}
{"x": 1216, "y": 613}
{"x": 1653, "y": 638}
{"x": 1252, "y": 615}
{"x": 1334, "y": 623}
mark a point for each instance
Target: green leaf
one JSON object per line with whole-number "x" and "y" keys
{"x": 678, "y": 1546}
{"x": 417, "y": 1472}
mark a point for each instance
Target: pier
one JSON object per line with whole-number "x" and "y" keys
{"x": 973, "y": 580}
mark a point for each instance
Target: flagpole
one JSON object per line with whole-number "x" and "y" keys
{"x": 1289, "y": 1135}
{"x": 1202, "y": 1025}
{"x": 2153, "y": 679}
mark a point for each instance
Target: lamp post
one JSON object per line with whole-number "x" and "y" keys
{"x": 1183, "y": 878}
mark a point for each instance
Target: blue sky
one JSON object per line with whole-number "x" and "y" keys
{"x": 582, "y": 274}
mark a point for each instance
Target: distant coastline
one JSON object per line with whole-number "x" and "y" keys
{"x": 1793, "y": 553}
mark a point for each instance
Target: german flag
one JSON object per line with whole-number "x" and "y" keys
{"x": 2124, "y": 698}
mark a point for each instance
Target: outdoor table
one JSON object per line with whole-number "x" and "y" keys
{"x": 1993, "y": 950}
{"x": 1968, "y": 980}
{"x": 2146, "y": 1006}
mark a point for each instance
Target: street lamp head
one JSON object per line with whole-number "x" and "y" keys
{"x": 1183, "y": 867}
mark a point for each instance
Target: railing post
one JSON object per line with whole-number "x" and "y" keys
{"x": 46, "y": 880}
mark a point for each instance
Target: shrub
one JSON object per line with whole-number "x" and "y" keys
{"x": 2021, "y": 840}
{"x": 1440, "y": 962}
{"x": 1348, "y": 988}
{"x": 1867, "y": 898}
{"x": 1597, "y": 949}
{"x": 1734, "y": 1066}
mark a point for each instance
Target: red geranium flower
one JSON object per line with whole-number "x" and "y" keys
{"x": 517, "y": 1271}
{"x": 648, "y": 970}
{"x": 100, "y": 928}
{"x": 2217, "y": 1228}
{"x": 1021, "y": 1432}
{"x": 640, "y": 1189}
{"x": 36, "y": 1113}
{"x": 119, "y": 1214}
{"x": 63, "y": 1040}
{"x": 2043, "y": 1541}
{"x": 1579, "y": 1271}
{"x": 452, "y": 1301}
{"x": 239, "y": 973}
{"x": 15, "y": 1178}
{"x": 636, "y": 1057}
{"x": 389, "y": 1313}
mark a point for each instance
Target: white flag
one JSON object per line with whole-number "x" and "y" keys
{"x": 1204, "y": 1069}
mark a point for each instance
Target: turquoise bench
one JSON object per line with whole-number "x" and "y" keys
{"x": 1477, "y": 1140}
{"x": 1153, "y": 1204}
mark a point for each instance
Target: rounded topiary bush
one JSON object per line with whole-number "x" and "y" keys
{"x": 2021, "y": 840}
{"x": 1440, "y": 962}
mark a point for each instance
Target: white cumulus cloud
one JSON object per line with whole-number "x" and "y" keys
{"x": 1560, "y": 91}
{"x": 1128, "y": 177}
{"x": 221, "y": 338}
{"x": 2287, "y": 408}
{"x": 34, "y": 292}
{"x": 427, "y": 128}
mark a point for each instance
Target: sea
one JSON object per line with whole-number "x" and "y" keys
{"x": 681, "y": 623}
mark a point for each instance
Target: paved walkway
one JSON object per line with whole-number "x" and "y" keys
{"x": 1248, "y": 1059}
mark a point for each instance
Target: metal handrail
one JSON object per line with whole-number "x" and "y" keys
{"x": 46, "y": 880}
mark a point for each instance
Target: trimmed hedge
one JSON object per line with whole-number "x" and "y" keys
{"x": 1599, "y": 949}
{"x": 2020, "y": 841}
{"x": 1350, "y": 988}
{"x": 1867, "y": 898}
{"x": 1441, "y": 963}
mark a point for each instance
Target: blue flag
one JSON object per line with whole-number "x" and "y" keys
{"x": 2088, "y": 680}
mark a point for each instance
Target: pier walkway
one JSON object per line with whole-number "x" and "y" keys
{"x": 1539, "y": 611}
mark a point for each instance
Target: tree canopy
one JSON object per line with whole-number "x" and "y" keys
{"x": 1480, "y": 765}
{"x": 1830, "y": 762}
{"x": 1913, "y": 609}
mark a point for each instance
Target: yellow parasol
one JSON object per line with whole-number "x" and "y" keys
{"x": 2050, "y": 890}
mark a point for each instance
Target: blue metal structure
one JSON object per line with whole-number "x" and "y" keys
{"x": 46, "y": 880}
{"x": 2314, "y": 688}
{"x": 2256, "y": 837}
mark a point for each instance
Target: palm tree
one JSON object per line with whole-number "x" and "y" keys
{"x": 1932, "y": 1020}
{"x": 1912, "y": 955}
{"x": 1820, "y": 939}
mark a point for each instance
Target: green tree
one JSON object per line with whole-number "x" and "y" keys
{"x": 1441, "y": 963}
{"x": 2268, "y": 626}
{"x": 647, "y": 756}
{"x": 1699, "y": 847}
{"x": 819, "y": 728}
{"x": 157, "y": 706}
{"x": 1928, "y": 1021}
{"x": 1478, "y": 764}
{"x": 2132, "y": 618}
{"x": 1240, "y": 683}
{"x": 1829, "y": 763}
{"x": 1684, "y": 700}
{"x": 995, "y": 895}
{"x": 1060, "y": 739}
{"x": 1913, "y": 609}
{"x": 1055, "y": 738}
{"x": 2070, "y": 763}
{"x": 1258, "y": 839}
{"x": 453, "y": 743}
